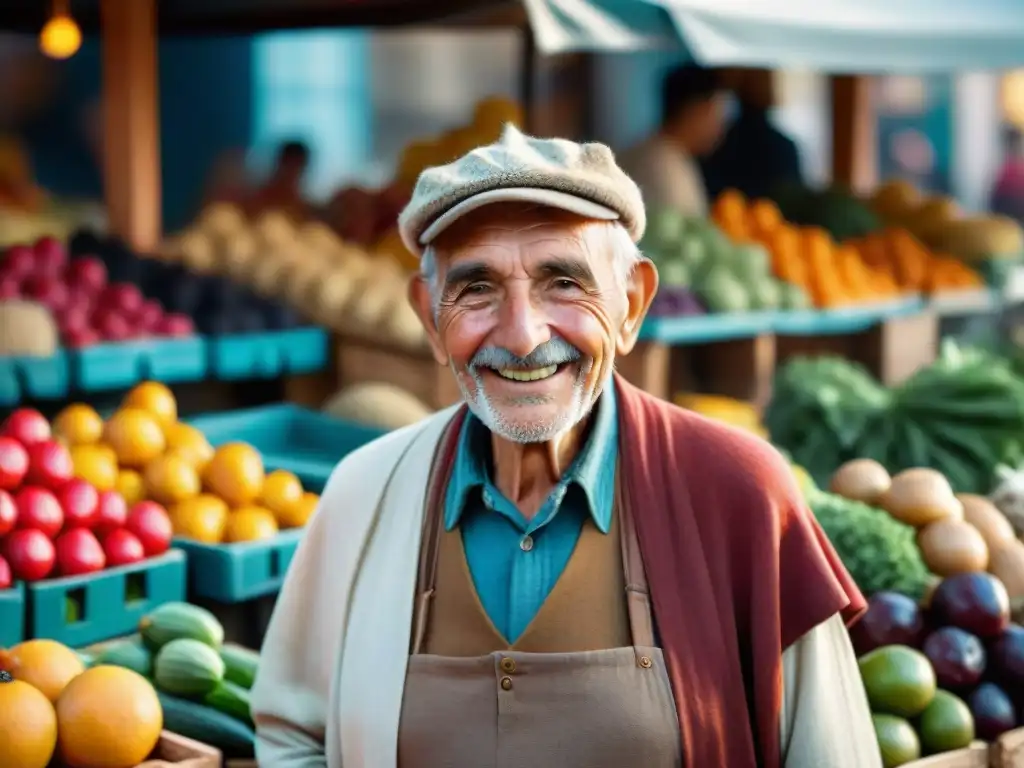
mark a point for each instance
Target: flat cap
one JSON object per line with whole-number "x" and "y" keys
{"x": 581, "y": 178}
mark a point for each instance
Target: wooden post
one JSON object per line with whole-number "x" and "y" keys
{"x": 854, "y": 133}
{"x": 131, "y": 129}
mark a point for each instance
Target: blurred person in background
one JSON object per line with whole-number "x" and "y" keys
{"x": 754, "y": 156}
{"x": 283, "y": 191}
{"x": 1007, "y": 197}
{"x": 665, "y": 165}
{"x": 229, "y": 180}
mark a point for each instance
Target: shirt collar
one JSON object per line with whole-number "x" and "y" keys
{"x": 592, "y": 471}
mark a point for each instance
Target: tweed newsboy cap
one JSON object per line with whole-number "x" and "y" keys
{"x": 581, "y": 178}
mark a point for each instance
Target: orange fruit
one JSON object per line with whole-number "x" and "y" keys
{"x": 135, "y": 436}
{"x": 170, "y": 479}
{"x": 78, "y": 424}
{"x": 281, "y": 489}
{"x": 189, "y": 443}
{"x": 108, "y": 717}
{"x": 154, "y": 398}
{"x": 235, "y": 473}
{"x": 250, "y": 523}
{"x": 297, "y": 515}
{"x": 28, "y": 726}
{"x": 201, "y": 518}
{"x": 44, "y": 664}
{"x": 96, "y": 464}
{"x": 131, "y": 486}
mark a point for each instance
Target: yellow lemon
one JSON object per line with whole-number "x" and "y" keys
{"x": 235, "y": 473}
{"x": 189, "y": 443}
{"x": 154, "y": 398}
{"x": 201, "y": 518}
{"x": 131, "y": 486}
{"x": 297, "y": 515}
{"x": 281, "y": 489}
{"x": 250, "y": 523}
{"x": 170, "y": 479}
{"x": 78, "y": 424}
{"x": 96, "y": 464}
{"x": 135, "y": 436}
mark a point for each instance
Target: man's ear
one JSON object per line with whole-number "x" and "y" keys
{"x": 640, "y": 289}
{"x": 423, "y": 303}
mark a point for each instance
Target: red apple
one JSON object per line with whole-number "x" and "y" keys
{"x": 113, "y": 326}
{"x": 30, "y": 554}
{"x": 48, "y": 290}
{"x": 79, "y": 551}
{"x": 19, "y": 261}
{"x": 111, "y": 514}
{"x": 123, "y": 548}
{"x": 73, "y": 317}
{"x": 125, "y": 297}
{"x": 81, "y": 337}
{"x": 51, "y": 256}
{"x": 81, "y": 504}
{"x": 152, "y": 525}
{"x": 8, "y": 513}
{"x": 27, "y": 426}
{"x": 13, "y": 463}
{"x": 39, "y": 510}
{"x": 88, "y": 273}
{"x": 175, "y": 325}
{"x": 10, "y": 287}
{"x": 6, "y": 577}
{"x": 49, "y": 465}
{"x": 149, "y": 316}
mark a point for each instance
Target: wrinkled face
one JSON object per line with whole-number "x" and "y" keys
{"x": 529, "y": 308}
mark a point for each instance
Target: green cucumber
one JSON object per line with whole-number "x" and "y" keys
{"x": 230, "y": 699}
{"x": 240, "y": 664}
{"x": 173, "y": 621}
{"x": 208, "y": 725}
{"x": 187, "y": 668}
{"x": 130, "y": 654}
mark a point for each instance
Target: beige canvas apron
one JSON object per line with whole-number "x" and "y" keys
{"x": 565, "y": 694}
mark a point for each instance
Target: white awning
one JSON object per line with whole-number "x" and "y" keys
{"x": 856, "y": 36}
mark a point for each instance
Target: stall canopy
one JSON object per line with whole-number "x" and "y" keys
{"x": 855, "y": 36}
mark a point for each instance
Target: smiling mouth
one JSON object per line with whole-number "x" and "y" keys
{"x": 527, "y": 374}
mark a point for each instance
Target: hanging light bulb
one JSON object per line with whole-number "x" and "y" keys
{"x": 61, "y": 38}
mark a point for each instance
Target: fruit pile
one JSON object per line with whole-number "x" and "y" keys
{"x": 939, "y": 676}
{"x": 203, "y": 685}
{"x": 878, "y": 267}
{"x": 53, "y": 523}
{"x": 51, "y": 706}
{"x": 87, "y": 306}
{"x": 143, "y": 453}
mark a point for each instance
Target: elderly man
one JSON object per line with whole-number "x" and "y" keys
{"x": 562, "y": 571}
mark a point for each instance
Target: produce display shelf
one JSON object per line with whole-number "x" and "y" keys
{"x": 267, "y": 355}
{"x": 290, "y": 437}
{"x": 82, "y": 610}
{"x": 106, "y": 367}
{"x": 959, "y": 303}
{"x": 235, "y": 573}
{"x": 41, "y": 378}
{"x": 12, "y": 615}
{"x": 704, "y": 329}
{"x": 838, "y": 322}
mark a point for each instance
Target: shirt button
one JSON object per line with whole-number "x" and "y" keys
{"x": 526, "y": 543}
{"x": 506, "y": 683}
{"x": 508, "y": 665}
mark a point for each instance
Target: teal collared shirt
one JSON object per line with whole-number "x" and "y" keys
{"x": 516, "y": 562}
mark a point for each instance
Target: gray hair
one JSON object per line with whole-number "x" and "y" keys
{"x": 609, "y": 235}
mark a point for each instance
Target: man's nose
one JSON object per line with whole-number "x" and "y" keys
{"x": 522, "y": 326}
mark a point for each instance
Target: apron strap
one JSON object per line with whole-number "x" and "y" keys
{"x": 433, "y": 527}
{"x": 638, "y": 601}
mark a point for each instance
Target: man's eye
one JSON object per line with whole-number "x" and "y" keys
{"x": 563, "y": 284}
{"x": 475, "y": 289}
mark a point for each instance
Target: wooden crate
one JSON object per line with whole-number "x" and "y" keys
{"x": 241, "y": 764}
{"x": 974, "y": 756}
{"x": 1008, "y": 750}
{"x": 178, "y": 752}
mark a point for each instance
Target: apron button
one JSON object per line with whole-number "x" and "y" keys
{"x": 645, "y": 662}
{"x": 508, "y": 665}
{"x": 506, "y": 683}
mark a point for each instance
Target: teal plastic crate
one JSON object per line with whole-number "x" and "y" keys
{"x": 234, "y": 573}
{"x": 37, "y": 378}
{"x": 81, "y": 610}
{"x": 107, "y": 367}
{"x": 268, "y": 355}
{"x": 308, "y": 443}
{"x": 12, "y": 616}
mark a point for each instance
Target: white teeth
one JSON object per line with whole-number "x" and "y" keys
{"x": 520, "y": 375}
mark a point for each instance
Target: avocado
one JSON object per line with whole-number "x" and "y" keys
{"x": 946, "y": 724}
{"x": 898, "y": 680}
{"x": 897, "y": 740}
